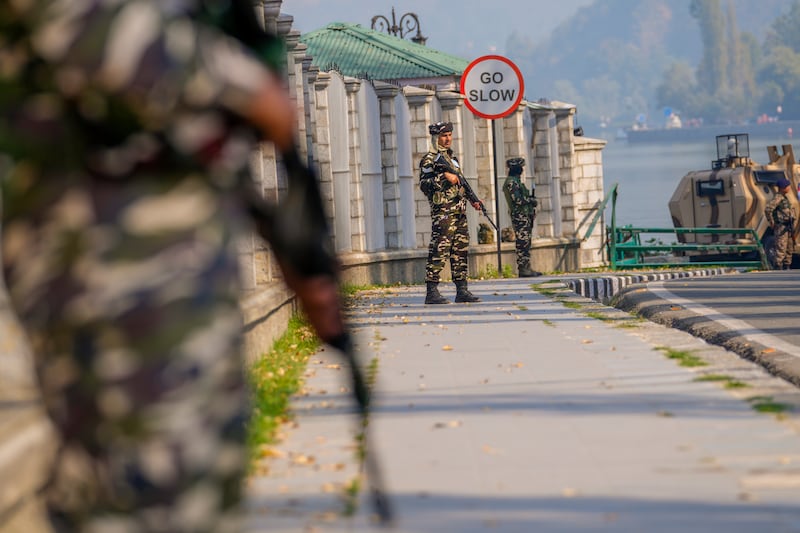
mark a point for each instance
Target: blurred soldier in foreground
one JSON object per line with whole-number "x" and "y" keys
{"x": 781, "y": 218}
{"x": 447, "y": 197}
{"x": 129, "y": 126}
{"x": 522, "y": 206}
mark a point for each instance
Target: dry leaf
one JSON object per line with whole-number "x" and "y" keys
{"x": 768, "y": 350}
{"x": 447, "y": 348}
{"x": 587, "y": 341}
{"x": 303, "y": 459}
{"x": 272, "y": 452}
{"x": 569, "y": 492}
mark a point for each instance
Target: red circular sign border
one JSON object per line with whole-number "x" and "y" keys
{"x": 495, "y": 58}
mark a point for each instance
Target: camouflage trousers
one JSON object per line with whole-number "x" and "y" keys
{"x": 784, "y": 246}
{"x": 449, "y": 240}
{"x": 523, "y": 226}
{"x": 128, "y": 293}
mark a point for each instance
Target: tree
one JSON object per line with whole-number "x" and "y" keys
{"x": 712, "y": 70}
{"x": 784, "y": 31}
{"x": 678, "y": 90}
{"x": 780, "y": 73}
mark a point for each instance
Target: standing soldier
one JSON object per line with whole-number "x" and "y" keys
{"x": 448, "y": 201}
{"x": 522, "y": 206}
{"x": 781, "y": 217}
{"x": 128, "y": 128}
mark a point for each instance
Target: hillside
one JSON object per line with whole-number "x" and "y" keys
{"x": 610, "y": 57}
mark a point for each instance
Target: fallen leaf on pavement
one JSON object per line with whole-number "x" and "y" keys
{"x": 303, "y": 459}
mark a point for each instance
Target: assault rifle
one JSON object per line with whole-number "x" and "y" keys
{"x": 441, "y": 164}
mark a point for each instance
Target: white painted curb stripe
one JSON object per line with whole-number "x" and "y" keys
{"x": 749, "y": 332}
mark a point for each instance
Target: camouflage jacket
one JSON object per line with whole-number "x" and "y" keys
{"x": 780, "y": 211}
{"x": 443, "y": 196}
{"x": 517, "y": 195}
{"x": 126, "y": 84}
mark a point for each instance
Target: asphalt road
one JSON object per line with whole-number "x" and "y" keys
{"x": 755, "y": 314}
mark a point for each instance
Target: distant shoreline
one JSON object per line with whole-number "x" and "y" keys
{"x": 779, "y": 129}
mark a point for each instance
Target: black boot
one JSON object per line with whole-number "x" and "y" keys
{"x": 462, "y": 293}
{"x": 526, "y": 272}
{"x": 432, "y": 296}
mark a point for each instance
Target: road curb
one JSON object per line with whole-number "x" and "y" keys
{"x": 603, "y": 288}
{"x": 640, "y": 301}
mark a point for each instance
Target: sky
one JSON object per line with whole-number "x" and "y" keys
{"x": 468, "y": 28}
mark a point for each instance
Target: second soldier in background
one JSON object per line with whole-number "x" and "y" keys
{"x": 522, "y": 206}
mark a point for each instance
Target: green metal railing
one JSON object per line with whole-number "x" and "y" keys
{"x": 626, "y": 249}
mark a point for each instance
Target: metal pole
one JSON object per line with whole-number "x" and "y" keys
{"x": 496, "y": 199}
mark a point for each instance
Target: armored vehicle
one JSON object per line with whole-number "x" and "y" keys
{"x": 733, "y": 194}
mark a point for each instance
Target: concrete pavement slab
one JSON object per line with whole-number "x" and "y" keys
{"x": 520, "y": 413}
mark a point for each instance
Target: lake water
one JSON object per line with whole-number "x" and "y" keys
{"x": 648, "y": 174}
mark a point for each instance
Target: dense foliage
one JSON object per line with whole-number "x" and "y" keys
{"x": 709, "y": 61}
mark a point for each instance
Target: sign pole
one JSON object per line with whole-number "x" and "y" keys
{"x": 496, "y": 199}
{"x": 493, "y": 87}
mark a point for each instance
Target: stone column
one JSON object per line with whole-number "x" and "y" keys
{"x": 321, "y": 135}
{"x": 391, "y": 177}
{"x": 297, "y": 86}
{"x": 543, "y": 173}
{"x": 271, "y": 10}
{"x": 419, "y": 103}
{"x": 566, "y": 163}
{"x": 357, "y": 222}
{"x": 309, "y": 96}
{"x": 589, "y": 193}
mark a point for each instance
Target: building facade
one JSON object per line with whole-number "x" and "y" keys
{"x": 364, "y": 137}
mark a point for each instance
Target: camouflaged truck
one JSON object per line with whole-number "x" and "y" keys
{"x": 733, "y": 194}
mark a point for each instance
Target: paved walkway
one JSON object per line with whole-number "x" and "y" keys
{"x": 522, "y": 414}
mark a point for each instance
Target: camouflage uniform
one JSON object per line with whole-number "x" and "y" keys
{"x": 522, "y": 207}
{"x": 120, "y": 208}
{"x": 449, "y": 232}
{"x": 781, "y": 216}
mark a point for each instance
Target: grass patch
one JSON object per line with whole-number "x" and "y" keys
{"x": 727, "y": 381}
{"x": 766, "y": 404}
{"x": 629, "y": 324}
{"x": 736, "y": 384}
{"x": 597, "y": 315}
{"x": 572, "y": 305}
{"x": 548, "y": 322}
{"x": 372, "y": 372}
{"x": 274, "y": 378}
{"x": 683, "y": 357}
{"x": 350, "y": 496}
{"x": 544, "y": 290}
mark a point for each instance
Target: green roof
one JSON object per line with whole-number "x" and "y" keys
{"x": 360, "y": 52}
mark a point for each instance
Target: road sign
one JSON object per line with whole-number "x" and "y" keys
{"x": 492, "y": 87}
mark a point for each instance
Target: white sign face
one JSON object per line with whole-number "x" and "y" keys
{"x": 492, "y": 87}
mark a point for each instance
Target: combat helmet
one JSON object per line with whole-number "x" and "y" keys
{"x": 515, "y": 165}
{"x": 440, "y": 127}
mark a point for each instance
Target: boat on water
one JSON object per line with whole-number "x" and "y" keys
{"x": 784, "y": 129}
